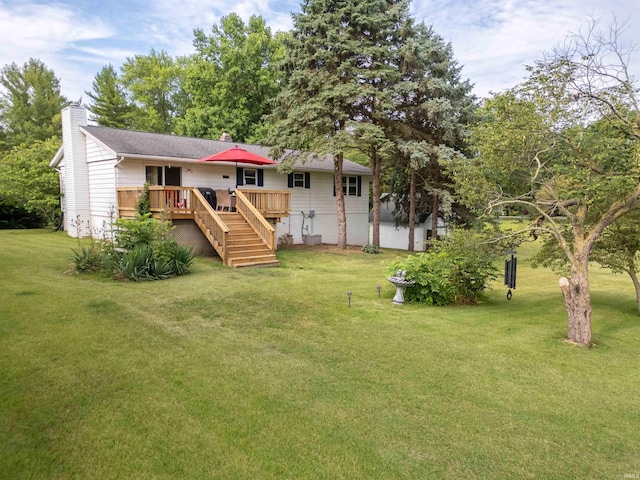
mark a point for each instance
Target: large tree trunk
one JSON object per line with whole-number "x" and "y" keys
{"x": 577, "y": 301}
{"x": 342, "y": 215}
{"x": 636, "y": 284}
{"x": 412, "y": 210}
{"x": 376, "y": 167}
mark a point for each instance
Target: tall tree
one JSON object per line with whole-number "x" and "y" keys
{"x": 231, "y": 79}
{"x": 565, "y": 142}
{"x": 433, "y": 110}
{"x": 155, "y": 85}
{"x": 331, "y": 65}
{"x": 30, "y": 104}
{"x": 109, "y": 105}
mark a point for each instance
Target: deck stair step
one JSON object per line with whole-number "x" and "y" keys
{"x": 245, "y": 248}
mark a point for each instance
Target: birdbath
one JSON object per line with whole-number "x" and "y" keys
{"x": 400, "y": 283}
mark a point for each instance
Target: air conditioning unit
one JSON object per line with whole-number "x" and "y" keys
{"x": 312, "y": 239}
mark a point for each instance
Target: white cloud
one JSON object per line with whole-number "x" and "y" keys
{"x": 30, "y": 29}
{"x": 494, "y": 39}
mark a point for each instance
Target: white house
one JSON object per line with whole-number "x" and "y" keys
{"x": 100, "y": 168}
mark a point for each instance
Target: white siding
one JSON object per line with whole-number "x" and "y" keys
{"x": 102, "y": 185}
{"x": 96, "y": 152}
{"x": 321, "y": 200}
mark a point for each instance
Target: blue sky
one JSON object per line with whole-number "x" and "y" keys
{"x": 492, "y": 39}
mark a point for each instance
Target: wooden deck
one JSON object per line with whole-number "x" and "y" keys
{"x": 241, "y": 238}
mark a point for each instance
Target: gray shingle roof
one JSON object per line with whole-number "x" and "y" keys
{"x": 132, "y": 143}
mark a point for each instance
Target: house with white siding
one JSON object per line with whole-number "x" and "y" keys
{"x": 103, "y": 170}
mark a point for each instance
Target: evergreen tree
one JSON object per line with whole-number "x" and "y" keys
{"x": 333, "y": 62}
{"x": 109, "y": 104}
{"x": 434, "y": 107}
{"x": 30, "y": 104}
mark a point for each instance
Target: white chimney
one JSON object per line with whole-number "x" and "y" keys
{"x": 225, "y": 137}
{"x": 77, "y": 221}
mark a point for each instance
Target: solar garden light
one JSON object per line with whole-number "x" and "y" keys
{"x": 349, "y": 297}
{"x": 378, "y": 287}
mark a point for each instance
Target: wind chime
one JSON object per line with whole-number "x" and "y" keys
{"x": 510, "y": 266}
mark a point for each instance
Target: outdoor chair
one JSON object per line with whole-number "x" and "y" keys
{"x": 223, "y": 199}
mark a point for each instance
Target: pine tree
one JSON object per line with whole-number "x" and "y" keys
{"x": 336, "y": 53}
{"x": 434, "y": 107}
{"x": 109, "y": 103}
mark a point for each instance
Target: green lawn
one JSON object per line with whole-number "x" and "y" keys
{"x": 269, "y": 373}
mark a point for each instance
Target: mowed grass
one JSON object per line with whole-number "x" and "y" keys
{"x": 269, "y": 374}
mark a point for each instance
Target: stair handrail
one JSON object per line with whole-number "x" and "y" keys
{"x": 255, "y": 219}
{"x": 219, "y": 230}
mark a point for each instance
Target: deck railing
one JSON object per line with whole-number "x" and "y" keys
{"x": 270, "y": 203}
{"x": 251, "y": 214}
{"x": 172, "y": 201}
{"x": 210, "y": 223}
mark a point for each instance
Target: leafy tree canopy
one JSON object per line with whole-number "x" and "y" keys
{"x": 154, "y": 82}
{"x": 27, "y": 179}
{"x": 231, "y": 79}
{"x": 564, "y": 143}
{"x": 30, "y": 104}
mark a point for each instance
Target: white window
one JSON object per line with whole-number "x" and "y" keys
{"x": 250, "y": 176}
{"x": 350, "y": 186}
{"x": 298, "y": 180}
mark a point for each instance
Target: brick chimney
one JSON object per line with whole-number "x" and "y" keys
{"x": 225, "y": 137}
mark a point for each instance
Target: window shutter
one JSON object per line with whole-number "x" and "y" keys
{"x": 239, "y": 176}
{"x": 260, "y": 177}
{"x": 359, "y": 185}
{"x": 290, "y": 180}
{"x": 307, "y": 180}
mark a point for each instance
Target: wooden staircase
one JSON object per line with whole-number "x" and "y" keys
{"x": 244, "y": 247}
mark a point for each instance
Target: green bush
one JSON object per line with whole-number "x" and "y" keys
{"x": 372, "y": 249}
{"x": 143, "y": 249}
{"x": 455, "y": 269}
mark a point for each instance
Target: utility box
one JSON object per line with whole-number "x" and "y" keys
{"x": 312, "y": 239}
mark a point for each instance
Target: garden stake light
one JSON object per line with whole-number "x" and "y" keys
{"x": 378, "y": 287}
{"x": 349, "y": 297}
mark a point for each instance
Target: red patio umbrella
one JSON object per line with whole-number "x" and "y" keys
{"x": 238, "y": 155}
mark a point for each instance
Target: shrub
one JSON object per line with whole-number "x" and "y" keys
{"x": 143, "y": 206}
{"x": 87, "y": 259}
{"x": 455, "y": 269}
{"x": 142, "y": 249}
{"x": 372, "y": 249}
